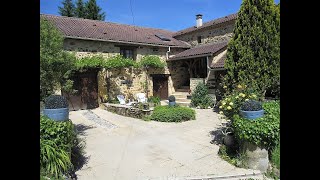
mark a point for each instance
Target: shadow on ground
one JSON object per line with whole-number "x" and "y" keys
{"x": 219, "y": 133}
{"x": 78, "y": 156}
{"x": 217, "y": 136}
{"x": 81, "y": 128}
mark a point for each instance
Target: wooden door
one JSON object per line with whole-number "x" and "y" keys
{"x": 87, "y": 91}
{"x": 160, "y": 86}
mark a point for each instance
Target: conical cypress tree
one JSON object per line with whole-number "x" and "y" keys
{"x": 80, "y": 9}
{"x": 253, "y": 55}
{"x": 93, "y": 11}
{"x": 68, "y": 8}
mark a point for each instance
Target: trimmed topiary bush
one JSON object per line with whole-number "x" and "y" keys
{"x": 200, "y": 97}
{"x": 172, "y": 98}
{"x": 251, "y": 105}
{"x": 56, "y": 102}
{"x": 172, "y": 114}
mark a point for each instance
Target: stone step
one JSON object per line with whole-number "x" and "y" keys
{"x": 183, "y": 103}
{"x": 185, "y": 87}
{"x": 183, "y": 100}
{"x": 180, "y": 93}
{"x": 182, "y": 90}
{"x": 182, "y": 96}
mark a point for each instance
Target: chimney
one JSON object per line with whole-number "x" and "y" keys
{"x": 199, "y": 20}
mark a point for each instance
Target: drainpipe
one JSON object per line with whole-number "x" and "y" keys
{"x": 168, "y": 53}
{"x": 208, "y": 63}
{"x": 209, "y": 69}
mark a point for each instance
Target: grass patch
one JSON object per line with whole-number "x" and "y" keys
{"x": 275, "y": 156}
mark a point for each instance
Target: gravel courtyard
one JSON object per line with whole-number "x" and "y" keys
{"x": 125, "y": 148}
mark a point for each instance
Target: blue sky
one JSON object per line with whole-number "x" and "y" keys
{"x": 172, "y": 15}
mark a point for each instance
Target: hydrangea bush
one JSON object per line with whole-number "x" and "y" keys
{"x": 231, "y": 103}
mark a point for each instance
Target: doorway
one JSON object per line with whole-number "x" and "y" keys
{"x": 160, "y": 86}
{"x": 87, "y": 91}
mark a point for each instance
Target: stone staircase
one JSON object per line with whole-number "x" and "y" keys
{"x": 181, "y": 96}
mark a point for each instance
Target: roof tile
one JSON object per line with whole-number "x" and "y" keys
{"x": 214, "y": 22}
{"x": 205, "y": 49}
{"x": 99, "y": 30}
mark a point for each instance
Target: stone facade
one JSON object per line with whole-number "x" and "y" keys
{"x": 209, "y": 34}
{"x": 179, "y": 74}
{"x": 126, "y": 81}
{"x": 129, "y": 81}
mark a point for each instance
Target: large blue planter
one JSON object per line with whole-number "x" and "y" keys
{"x": 61, "y": 114}
{"x": 252, "y": 114}
{"x": 172, "y": 103}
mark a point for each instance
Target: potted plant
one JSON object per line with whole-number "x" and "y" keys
{"x": 56, "y": 108}
{"x": 228, "y": 139}
{"x": 172, "y": 100}
{"x": 251, "y": 109}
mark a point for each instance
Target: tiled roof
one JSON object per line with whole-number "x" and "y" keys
{"x": 219, "y": 63}
{"x": 106, "y": 31}
{"x": 198, "y": 51}
{"x": 212, "y": 23}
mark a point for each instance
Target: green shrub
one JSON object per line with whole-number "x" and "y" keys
{"x": 200, "y": 97}
{"x": 118, "y": 61}
{"x": 56, "y": 102}
{"x": 61, "y": 133}
{"x": 231, "y": 103}
{"x": 264, "y": 131}
{"x": 172, "y": 114}
{"x": 151, "y": 61}
{"x": 155, "y": 100}
{"x": 275, "y": 156}
{"x": 54, "y": 160}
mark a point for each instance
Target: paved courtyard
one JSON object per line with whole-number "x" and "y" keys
{"x": 124, "y": 148}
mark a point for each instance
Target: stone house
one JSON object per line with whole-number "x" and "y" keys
{"x": 192, "y": 55}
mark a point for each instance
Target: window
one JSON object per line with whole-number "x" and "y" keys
{"x": 162, "y": 37}
{"x": 199, "y": 39}
{"x": 126, "y": 52}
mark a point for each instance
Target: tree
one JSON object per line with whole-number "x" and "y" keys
{"x": 93, "y": 11}
{"x": 55, "y": 64}
{"x": 68, "y": 8}
{"x": 253, "y": 55}
{"x": 80, "y": 11}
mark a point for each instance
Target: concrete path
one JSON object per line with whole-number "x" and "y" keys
{"x": 133, "y": 149}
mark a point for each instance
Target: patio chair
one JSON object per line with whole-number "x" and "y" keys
{"x": 141, "y": 97}
{"x": 121, "y": 99}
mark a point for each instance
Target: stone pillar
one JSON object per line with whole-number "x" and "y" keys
{"x": 257, "y": 157}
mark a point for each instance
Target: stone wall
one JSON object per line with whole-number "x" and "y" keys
{"x": 179, "y": 74}
{"x": 126, "y": 81}
{"x": 209, "y": 34}
{"x": 84, "y": 48}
